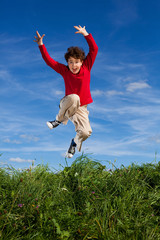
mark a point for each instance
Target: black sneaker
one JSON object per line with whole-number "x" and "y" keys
{"x": 53, "y": 124}
{"x": 71, "y": 150}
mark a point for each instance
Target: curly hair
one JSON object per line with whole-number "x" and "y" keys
{"x": 75, "y": 52}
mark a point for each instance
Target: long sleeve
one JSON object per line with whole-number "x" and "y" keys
{"x": 93, "y": 50}
{"x": 58, "y": 67}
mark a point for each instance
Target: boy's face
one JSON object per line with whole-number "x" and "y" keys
{"x": 74, "y": 65}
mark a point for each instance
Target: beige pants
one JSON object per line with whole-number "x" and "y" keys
{"x": 70, "y": 109}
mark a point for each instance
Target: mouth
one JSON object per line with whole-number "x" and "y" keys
{"x": 74, "y": 70}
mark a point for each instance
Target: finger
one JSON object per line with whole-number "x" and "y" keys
{"x": 76, "y": 27}
{"x": 43, "y": 36}
{"x": 38, "y": 34}
{"x": 35, "y": 40}
{"x": 80, "y": 26}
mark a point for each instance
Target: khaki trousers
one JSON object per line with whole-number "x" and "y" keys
{"x": 70, "y": 109}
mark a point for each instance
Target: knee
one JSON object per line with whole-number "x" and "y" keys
{"x": 86, "y": 134}
{"x": 74, "y": 99}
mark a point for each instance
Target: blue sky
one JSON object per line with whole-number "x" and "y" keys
{"x": 125, "y": 82}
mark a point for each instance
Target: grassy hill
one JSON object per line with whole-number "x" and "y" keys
{"x": 84, "y": 201}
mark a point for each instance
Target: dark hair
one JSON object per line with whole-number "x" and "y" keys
{"x": 75, "y": 52}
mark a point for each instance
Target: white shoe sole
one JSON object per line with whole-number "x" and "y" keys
{"x": 69, "y": 155}
{"x": 49, "y": 125}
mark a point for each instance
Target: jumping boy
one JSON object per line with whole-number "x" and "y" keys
{"x": 76, "y": 77}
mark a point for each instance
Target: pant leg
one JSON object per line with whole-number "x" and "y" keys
{"x": 82, "y": 126}
{"x": 68, "y": 106}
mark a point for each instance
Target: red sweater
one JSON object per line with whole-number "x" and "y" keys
{"x": 75, "y": 83}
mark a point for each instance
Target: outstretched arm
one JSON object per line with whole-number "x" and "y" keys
{"x": 39, "y": 38}
{"x": 93, "y": 48}
{"x": 58, "y": 67}
{"x": 81, "y": 30}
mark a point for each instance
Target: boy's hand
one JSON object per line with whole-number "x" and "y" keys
{"x": 39, "y": 38}
{"x": 81, "y": 30}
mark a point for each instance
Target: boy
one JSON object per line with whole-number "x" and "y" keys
{"x": 76, "y": 77}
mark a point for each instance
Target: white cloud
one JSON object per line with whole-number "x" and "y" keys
{"x": 58, "y": 92}
{"x": 132, "y": 146}
{"x": 123, "y": 112}
{"x": 46, "y": 145}
{"x": 29, "y": 138}
{"x": 5, "y": 39}
{"x": 138, "y": 125}
{"x": 131, "y": 87}
{"x": 7, "y": 140}
{"x": 136, "y": 65}
{"x": 110, "y": 93}
{"x": 97, "y": 92}
{"x": 113, "y": 93}
{"x": 4, "y": 75}
{"x": 20, "y": 160}
{"x": 97, "y": 127}
{"x": 114, "y": 68}
{"x": 155, "y": 138}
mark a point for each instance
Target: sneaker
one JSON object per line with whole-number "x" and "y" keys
{"x": 53, "y": 124}
{"x": 72, "y": 149}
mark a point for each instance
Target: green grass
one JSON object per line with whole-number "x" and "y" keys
{"x": 84, "y": 201}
